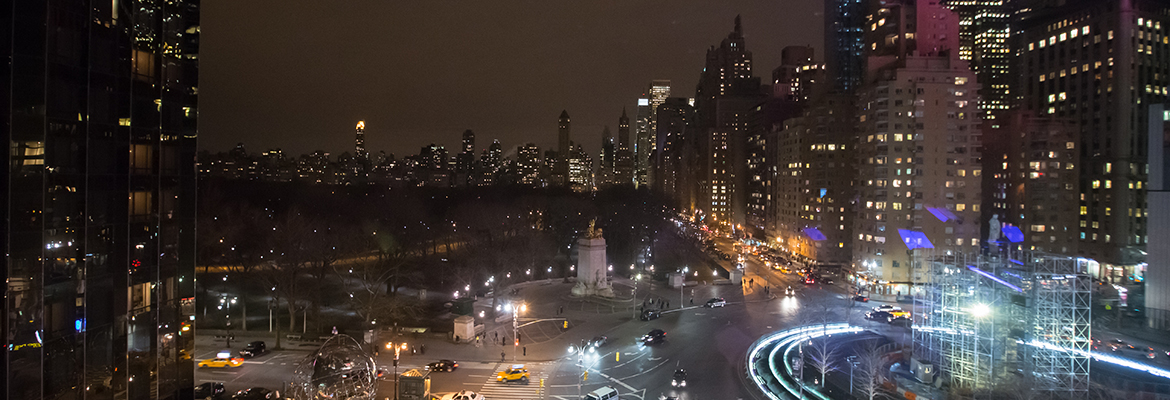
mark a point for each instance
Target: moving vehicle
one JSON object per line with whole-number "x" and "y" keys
{"x": 789, "y": 292}
{"x": 442, "y": 366}
{"x": 464, "y": 395}
{"x": 654, "y": 336}
{"x": 254, "y": 349}
{"x": 716, "y": 302}
{"x": 605, "y": 393}
{"x": 887, "y": 307}
{"x": 209, "y": 390}
{"x": 901, "y": 321}
{"x": 679, "y": 379}
{"x": 808, "y": 280}
{"x": 880, "y": 316}
{"x": 256, "y": 393}
{"x": 650, "y": 314}
{"x": 515, "y": 373}
{"x": 861, "y": 298}
{"x": 222, "y": 360}
{"x": 598, "y": 341}
{"x": 827, "y": 281}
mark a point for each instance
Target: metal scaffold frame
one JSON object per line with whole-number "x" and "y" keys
{"x": 982, "y": 318}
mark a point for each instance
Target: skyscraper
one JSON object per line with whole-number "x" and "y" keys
{"x": 919, "y": 169}
{"x": 607, "y": 159}
{"x": 724, "y": 99}
{"x": 674, "y": 152}
{"x": 465, "y": 161}
{"x": 844, "y": 27}
{"x": 564, "y": 148}
{"x": 624, "y": 161}
{"x": 528, "y": 164}
{"x": 1097, "y": 63}
{"x": 98, "y": 197}
{"x": 983, "y": 42}
{"x": 359, "y": 141}
{"x": 645, "y": 128}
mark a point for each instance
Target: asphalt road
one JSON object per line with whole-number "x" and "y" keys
{"x": 709, "y": 343}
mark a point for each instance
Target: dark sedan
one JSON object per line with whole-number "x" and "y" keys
{"x": 442, "y": 366}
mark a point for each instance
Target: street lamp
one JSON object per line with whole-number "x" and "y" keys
{"x": 515, "y": 309}
{"x": 635, "y": 301}
{"x": 397, "y": 349}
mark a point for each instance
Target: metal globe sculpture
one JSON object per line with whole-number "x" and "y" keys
{"x": 340, "y": 370}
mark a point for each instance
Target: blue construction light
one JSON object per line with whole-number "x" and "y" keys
{"x": 915, "y": 239}
{"x": 1013, "y": 233}
{"x": 814, "y": 234}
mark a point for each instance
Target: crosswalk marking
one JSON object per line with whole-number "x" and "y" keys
{"x": 515, "y": 390}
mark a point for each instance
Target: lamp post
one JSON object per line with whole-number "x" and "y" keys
{"x": 851, "y": 365}
{"x": 516, "y": 309}
{"x": 397, "y": 349}
{"x": 635, "y": 301}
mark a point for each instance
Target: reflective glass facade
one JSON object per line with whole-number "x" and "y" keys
{"x": 98, "y": 103}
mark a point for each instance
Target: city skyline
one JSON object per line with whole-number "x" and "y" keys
{"x": 259, "y": 94}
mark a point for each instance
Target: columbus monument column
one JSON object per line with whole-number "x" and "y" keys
{"x": 591, "y": 265}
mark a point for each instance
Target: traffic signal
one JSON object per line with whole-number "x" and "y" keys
{"x": 566, "y": 326}
{"x": 585, "y": 376}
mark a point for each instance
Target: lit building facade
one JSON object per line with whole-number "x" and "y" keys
{"x": 564, "y": 150}
{"x": 99, "y": 199}
{"x": 1101, "y": 63}
{"x": 646, "y": 129}
{"x": 624, "y": 155}
{"x": 528, "y": 164}
{"x": 918, "y": 150}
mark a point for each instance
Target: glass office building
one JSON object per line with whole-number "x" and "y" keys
{"x": 98, "y": 107}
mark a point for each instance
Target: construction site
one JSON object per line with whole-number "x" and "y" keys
{"x": 1003, "y": 323}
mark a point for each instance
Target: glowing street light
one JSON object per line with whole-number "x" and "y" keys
{"x": 980, "y": 310}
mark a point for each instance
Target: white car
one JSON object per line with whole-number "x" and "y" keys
{"x": 464, "y": 395}
{"x": 887, "y": 308}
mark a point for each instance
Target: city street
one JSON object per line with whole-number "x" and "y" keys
{"x": 709, "y": 343}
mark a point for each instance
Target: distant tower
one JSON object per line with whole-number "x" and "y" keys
{"x": 564, "y": 147}
{"x": 625, "y": 160}
{"x": 469, "y": 141}
{"x": 360, "y": 140}
{"x": 605, "y": 171}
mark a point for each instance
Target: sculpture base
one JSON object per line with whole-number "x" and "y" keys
{"x": 580, "y": 290}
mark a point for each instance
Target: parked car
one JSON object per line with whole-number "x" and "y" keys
{"x": 861, "y": 298}
{"x": 464, "y": 395}
{"x": 716, "y": 302}
{"x": 254, "y": 349}
{"x": 827, "y": 281}
{"x": 887, "y": 307}
{"x": 654, "y": 336}
{"x": 650, "y": 314}
{"x": 256, "y": 393}
{"x": 209, "y": 390}
{"x": 442, "y": 366}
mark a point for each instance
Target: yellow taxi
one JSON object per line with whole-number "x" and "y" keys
{"x": 223, "y": 359}
{"x": 515, "y": 373}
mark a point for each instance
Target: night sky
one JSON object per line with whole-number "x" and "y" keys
{"x": 298, "y": 75}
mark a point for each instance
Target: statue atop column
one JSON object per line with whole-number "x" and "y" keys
{"x": 592, "y": 279}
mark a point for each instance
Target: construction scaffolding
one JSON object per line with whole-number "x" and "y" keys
{"x": 989, "y": 319}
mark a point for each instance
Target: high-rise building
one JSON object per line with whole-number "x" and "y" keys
{"x": 797, "y": 74}
{"x": 844, "y": 44}
{"x": 1098, "y": 63}
{"x": 564, "y": 149}
{"x": 918, "y": 149}
{"x": 984, "y": 43}
{"x": 98, "y": 222}
{"x": 580, "y": 169}
{"x": 464, "y": 171}
{"x": 1157, "y": 276}
{"x": 810, "y": 215}
{"x": 624, "y": 161}
{"x": 607, "y": 159}
{"x": 646, "y": 129}
{"x": 671, "y": 157}
{"x": 1030, "y": 174}
{"x": 528, "y": 164}
{"x": 359, "y": 141}
{"x": 724, "y": 99}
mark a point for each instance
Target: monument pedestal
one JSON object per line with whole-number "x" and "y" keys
{"x": 591, "y": 269}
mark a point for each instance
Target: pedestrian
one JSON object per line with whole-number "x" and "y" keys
{"x": 456, "y": 338}
{"x": 668, "y": 304}
{"x": 423, "y": 349}
{"x": 692, "y": 301}
{"x": 495, "y": 335}
{"x": 502, "y": 356}
{"x": 526, "y": 350}
{"x": 503, "y": 341}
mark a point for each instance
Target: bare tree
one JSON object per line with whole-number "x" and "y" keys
{"x": 868, "y": 375}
